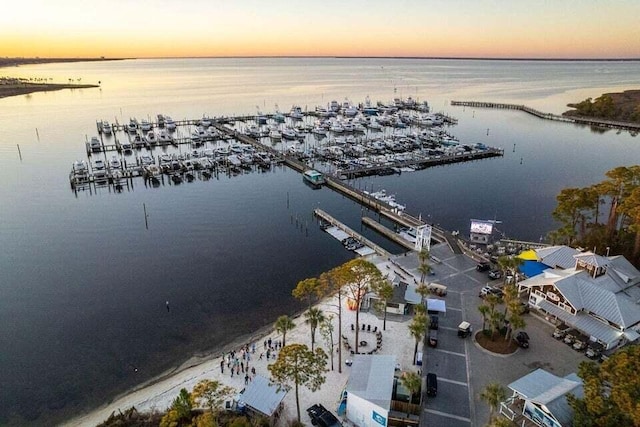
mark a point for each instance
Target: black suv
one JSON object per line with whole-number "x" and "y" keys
{"x": 320, "y": 416}
{"x": 522, "y": 339}
{"x": 483, "y": 266}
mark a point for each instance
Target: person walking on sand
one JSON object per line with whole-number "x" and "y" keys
{"x": 222, "y": 366}
{"x": 246, "y": 379}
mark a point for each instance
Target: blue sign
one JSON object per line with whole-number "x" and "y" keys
{"x": 379, "y": 418}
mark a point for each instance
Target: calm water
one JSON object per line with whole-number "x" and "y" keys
{"x": 83, "y": 284}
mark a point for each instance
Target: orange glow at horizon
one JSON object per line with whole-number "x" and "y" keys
{"x": 197, "y": 28}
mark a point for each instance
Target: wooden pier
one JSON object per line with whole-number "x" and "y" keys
{"x": 331, "y": 220}
{"x": 389, "y": 234}
{"x": 634, "y": 127}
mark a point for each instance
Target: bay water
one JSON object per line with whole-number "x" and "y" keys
{"x": 84, "y": 283}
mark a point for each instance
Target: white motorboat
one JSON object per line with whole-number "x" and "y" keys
{"x": 151, "y": 137}
{"x": 106, "y": 128}
{"x": 145, "y": 126}
{"x": 275, "y": 135}
{"x": 288, "y": 133}
{"x": 146, "y": 160}
{"x": 98, "y": 165}
{"x": 95, "y": 144}
{"x": 126, "y": 147}
{"x": 319, "y": 131}
{"x": 296, "y": 113}
{"x": 206, "y": 122}
{"x": 115, "y": 163}
{"x": 137, "y": 141}
{"x": 165, "y": 138}
{"x": 169, "y": 123}
{"x": 132, "y": 127}
{"x": 80, "y": 168}
{"x": 336, "y": 127}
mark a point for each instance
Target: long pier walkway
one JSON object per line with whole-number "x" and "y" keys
{"x": 549, "y": 116}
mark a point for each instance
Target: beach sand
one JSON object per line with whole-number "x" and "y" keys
{"x": 14, "y": 89}
{"x": 159, "y": 394}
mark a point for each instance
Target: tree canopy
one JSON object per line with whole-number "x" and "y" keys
{"x": 611, "y": 391}
{"x": 297, "y": 366}
{"x": 585, "y": 220}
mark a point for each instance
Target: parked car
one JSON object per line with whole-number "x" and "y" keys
{"x": 433, "y": 338}
{"x": 483, "y": 266}
{"x": 320, "y": 416}
{"x": 495, "y": 274}
{"x": 580, "y": 344}
{"x": 522, "y": 338}
{"x": 432, "y": 384}
{"x": 486, "y": 290}
{"x": 433, "y": 322}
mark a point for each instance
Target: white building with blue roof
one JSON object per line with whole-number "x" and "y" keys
{"x": 598, "y": 296}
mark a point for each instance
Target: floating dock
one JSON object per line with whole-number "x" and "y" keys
{"x": 334, "y": 222}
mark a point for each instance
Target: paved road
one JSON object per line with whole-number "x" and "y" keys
{"x": 462, "y": 367}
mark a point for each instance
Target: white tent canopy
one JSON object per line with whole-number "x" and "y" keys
{"x": 436, "y": 305}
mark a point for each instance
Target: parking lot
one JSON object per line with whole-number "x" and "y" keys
{"x": 462, "y": 367}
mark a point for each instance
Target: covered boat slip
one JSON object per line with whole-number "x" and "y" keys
{"x": 340, "y": 231}
{"x": 341, "y": 235}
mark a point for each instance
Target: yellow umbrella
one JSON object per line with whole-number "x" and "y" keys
{"x": 528, "y": 255}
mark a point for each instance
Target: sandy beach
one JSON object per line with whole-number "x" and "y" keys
{"x": 22, "y": 88}
{"x": 159, "y": 394}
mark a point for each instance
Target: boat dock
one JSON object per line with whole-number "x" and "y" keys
{"x": 389, "y": 234}
{"x": 334, "y": 222}
{"x": 634, "y": 127}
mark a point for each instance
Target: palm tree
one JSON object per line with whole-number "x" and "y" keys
{"x": 282, "y": 325}
{"x": 313, "y": 318}
{"x": 484, "y": 310}
{"x": 417, "y": 329}
{"x": 423, "y": 268}
{"x": 493, "y": 394}
{"x": 412, "y": 382}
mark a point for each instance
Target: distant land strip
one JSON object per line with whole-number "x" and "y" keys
{"x": 24, "y": 88}
{"x": 14, "y": 62}
{"x": 454, "y": 58}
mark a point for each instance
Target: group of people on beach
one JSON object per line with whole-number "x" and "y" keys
{"x": 237, "y": 362}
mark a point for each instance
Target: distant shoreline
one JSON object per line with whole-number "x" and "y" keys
{"x": 453, "y": 58}
{"x": 25, "y": 88}
{"x": 15, "y": 62}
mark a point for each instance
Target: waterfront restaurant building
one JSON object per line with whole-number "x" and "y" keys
{"x": 598, "y": 296}
{"x": 541, "y": 398}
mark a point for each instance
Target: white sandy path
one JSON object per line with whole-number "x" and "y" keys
{"x": 158, "y": 396}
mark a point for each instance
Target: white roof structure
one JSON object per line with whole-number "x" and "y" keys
{"x": 550, "y": 392}
{"x": 371, "y": 378}
{"x": 262, "y": 396}
{"x": 436, "y": 305}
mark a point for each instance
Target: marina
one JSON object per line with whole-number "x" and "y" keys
{"x": 342, "y": 142}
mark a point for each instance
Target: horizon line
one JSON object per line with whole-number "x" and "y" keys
{"x": 466, "y": 58}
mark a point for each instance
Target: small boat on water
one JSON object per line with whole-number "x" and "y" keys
{"x": 95, "y": 144}
{"x": 115, "y": 163}
{"x": 313, "y": 177}
{"x": 288, "y": 133}
{"x": 98, "y": 164}
{"x": 275, "y": 135}
{"x": 132, "y": 126}
{"x": 146, "y": 160}
{"x": 296, "y": 113}
{"x": 106, "y": 128}
{"x": 169, "y": 123}
{"x": 137, "y": 141}
{"x": 80, "y": 168}
{"x": 151, "y": 137}
{"x": 145, "y": 126}
{"x": 127, "y": 148}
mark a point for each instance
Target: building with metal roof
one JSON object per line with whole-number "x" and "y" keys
{"x": 599, "y": 296}
{"x": 541, "y": 398}
{"x": 261, "y": 397}
{"x": 370, "y": 389}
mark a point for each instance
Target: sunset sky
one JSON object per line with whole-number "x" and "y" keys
{"x": 451, "y": 28}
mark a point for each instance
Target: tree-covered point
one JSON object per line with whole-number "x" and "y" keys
{"x": 623, "y": 106}
{"x": 611, "y": 391}
{"x": 603, "y": 215}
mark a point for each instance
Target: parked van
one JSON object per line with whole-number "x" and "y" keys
{"x": 432, "y": 384}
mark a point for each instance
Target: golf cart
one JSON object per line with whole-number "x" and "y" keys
{"x": 464, "y": 329}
